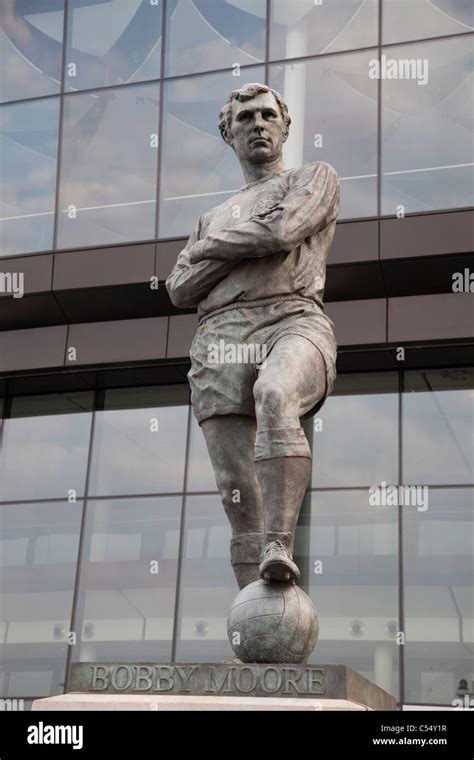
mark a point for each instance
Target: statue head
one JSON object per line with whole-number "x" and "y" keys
{"x": 255, "y": 122}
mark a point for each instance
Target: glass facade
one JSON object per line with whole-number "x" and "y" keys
{"x": 28, "y": 158}
{"x": 108, "y": 166}
{"x": 114, "y": 544}
{"x": 436, "y": 171}
{"x": 205, "y": 35}
{"x": 112, "y": 43}
{"x": 115, "y": 138}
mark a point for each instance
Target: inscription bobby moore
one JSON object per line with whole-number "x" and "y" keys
{"x": 200, "y": 679}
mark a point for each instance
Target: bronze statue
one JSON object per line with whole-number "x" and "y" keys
{"x": 255, "y": 268}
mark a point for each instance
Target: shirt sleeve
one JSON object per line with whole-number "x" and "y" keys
{"x": 310, "y": 205}
{"x": 188, "y": 283}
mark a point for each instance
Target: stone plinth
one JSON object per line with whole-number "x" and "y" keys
{"x": 221, "y": 686}
{"x": 112, "y": 702}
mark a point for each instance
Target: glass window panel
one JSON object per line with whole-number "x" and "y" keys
{"x": 199, "y": 170}
{"x": 139, "y": 445}
{"x": 44, "y": 446}
{"x": 31, "y": 38}
{"x": 112, "y": 43}
{"x": 418, "y": 19}
{"x": 439, "y": 597}
{"x": 36, "y": 594}
{"x": 28, "y": 158}
{"x": 354, "y": 586}
{"x": 304, "y": 27}
{"x": 427, "y": 144}
{"x": 438, "y": 420}
{"x": 333, "y": 104}
{"x": 127, "y": 587}
{"x": 203, "y": 35}
{"x": 200, "y": 473}
{"x": 208, "y": 584}
{"x": 363, "y": 451}
{"x": 109, "y": 166}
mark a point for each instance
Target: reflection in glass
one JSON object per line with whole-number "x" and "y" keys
{"x": 128, "y": 580}
{"x": 109, "y": 166}
{"x": 199, "y": 170}
{"x": 333, "y": 105}
{"x": 438, "y": 420}
{"x": 305, "y": 27}
{"x": 362, "y": 412}
{"x": 31, "y": 38}
{"x": 112, "y": 43}
{"x": 28, "y": 156}
{"x": 203, "y": 35}
{"x": 427, "y": 143}
{"x": 208, "y": 584}
{"x": 415, "y": 19}
{"x": 44, "y": 446}
{"x": 38, "y": 557}
{"x": 140, "y": 441}
{"x": 347, "y": 552}
{"x": 439, "y": 598}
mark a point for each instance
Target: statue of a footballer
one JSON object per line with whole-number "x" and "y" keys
{"x": 257, "y": 277}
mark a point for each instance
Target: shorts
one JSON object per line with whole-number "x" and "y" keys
{"x": 231, "y": 345}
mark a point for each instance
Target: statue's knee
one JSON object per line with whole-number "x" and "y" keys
{"x": 271, "y": 399}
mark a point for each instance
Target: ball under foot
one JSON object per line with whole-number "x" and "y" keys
{"x": 272, "y": 622}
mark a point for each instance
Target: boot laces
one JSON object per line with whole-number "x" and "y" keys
{"x": 273, "y": 546}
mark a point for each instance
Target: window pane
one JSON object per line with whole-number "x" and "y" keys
{"x": 427, "y": 150}
{"x": 109, "y": 166}
{"x": 355, "y": 435}
{"x": 347, "y": 553}
{"x": 31, "y": 38}
{"x": 199, "y": 170}
{"x": 203, "y": 35}
{"x": 38, "y": 556}
{"x": 44, "y": 447}
{"x": 439, "y": 597}
{"x": 304, "y": 27}
{"x": 112, "y": 43}
{"x": 438, "y": 420}
{"x": 139, "y": 444}
{"x": 208, "y": 584}
{"x": 333, "y": 105}
{"x": 417, "y": 19}
{"x": 28, "y": 157}
{"x": 128, "y": 580}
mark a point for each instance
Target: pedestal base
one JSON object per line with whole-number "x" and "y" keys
{"x": 222, "y": 686}
{"x": 158, "y": 703}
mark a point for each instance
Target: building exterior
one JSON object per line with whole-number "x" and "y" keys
{"x": 114, "y": 545}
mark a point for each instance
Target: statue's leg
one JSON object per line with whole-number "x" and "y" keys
{"x": 230, "y": 440}
{"x": 289, "y": 385}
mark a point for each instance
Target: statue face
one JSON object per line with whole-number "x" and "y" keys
{"x": 257, "y": 129}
